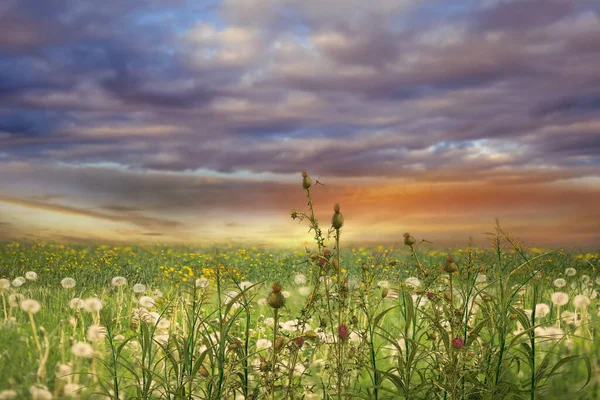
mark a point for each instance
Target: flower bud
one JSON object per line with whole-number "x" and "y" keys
{"x": 276, "y": 299}
{"x": 299, "y": 341}
{"x": 343, "y": 332}
{"x": 306, "y": 182}
{"x": 450, "y": 266}
{"x": 203, "y": 372}
{"x": 278, "y": 343}
{"x": 337, "y": 221}
{"x": 409, "y": 240}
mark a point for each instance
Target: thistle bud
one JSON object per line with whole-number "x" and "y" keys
{"x": 278, "y": 343}
{"x": 450, "y": 266}
{"x": 310, "y": 335}
{"x": 409, "y": 240}
{"x": 343, "y": 332}
{"x": 276, "y": 299}
{"x": 299, "y": 341}
{"x": 337, "y": 221}
{"x": 203, "y": 372}
{"x": 336, "y": 265}
{"x": 384, "y": 293}
{"x": 306, "y": 182}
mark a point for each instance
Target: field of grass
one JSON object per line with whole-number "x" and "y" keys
{"x": 396, "y": 322}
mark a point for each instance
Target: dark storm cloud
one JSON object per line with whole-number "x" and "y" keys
{"x": 349, "y": 88}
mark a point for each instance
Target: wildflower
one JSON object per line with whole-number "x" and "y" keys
{"x": 306, "y": 182}
{"x": 119, "y": 281}
{"x": 76, "y": 303}
{"x": 157, "y": 293}
{"x": 299, "y": 279}
{"x": 96, "y": 333}
{"x": 162, "y": 338}
{"x": 570, "y": 271}
{"x": 8, "y": 394}
{"x": 73, "y": 390}
{"x": 585, "y": 279}
{"x": 63, "y": 371}
{"x": 458, "y": 343}
{"x": 541, "y": 310}
{"x": 146, "y": 302}
{"x": 202, "y": 283}
{"x": 450, "y": 266}
{"x": 560, "y": 283}
{"x": 31, "y": 276}
{"x": 430, "y": 295}
{"x": 40, "y": 392}
{"x": 92, "y": 304}
{"x": 82, "y": 350}
{"x": 163, "y": 323}
{"x": 263, "y": 344}
{"x": 409, "y": 240}
{"x": 304, "y": 291}
{"x": 68, "y": 283}
{"x": 18, "y": 281}
{"x": 14, "y": 299}
{"x": 276, "y": 299}
{"x": 581, "y": 301}
{"x": 337, "y": 220}
{"x": 560, "y": 298}
{"x": 4, "y": 284}
{"x": 30, "y": 306}
{"x": 343, "y": 332}
{"x": 412, "y": 282}
{"x": 299, "y": 341}
{"x": 139, "y": 288}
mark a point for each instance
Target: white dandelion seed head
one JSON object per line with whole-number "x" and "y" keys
{"x": 262, "y": 301}
{"x": 262, "y": 344}
{"x": 383, "y": 284}
{"x": 570, "y": 271}
{"x": 73, "y": 390}
{"x": 585, "y": 279}
{"x": 14, "y": 299}
{"x": 245, "y": 285}
{"x": 119, "y": 281}
{"x": 4, "y": 284}
{"x": 597, "y": 280}
{"x": 140, "y": 315}
{"x": 139, "y": 288}
{"x": 304, "y": 291}
{"x": 157, "y": 293}
{"x": 119, "y": 337}
{"x": 286, "y": 293}
{"x": 68, "y": 283}
{"x": 92, "y": 304}
{"x": 581, "y": 301}
{"x": 202, "y": 283}
{"x": 76, "y": 303}
{"x": 541, "y": 310}
{"x": 31, "y": 275}
{"x": 8, "y": 394}
{"x": 289, "y": 326}
{"x": 481, "y": 278}
{"x": 230, "y": 296}
{"x": 146, "y": 302}
{"x": 560, "y": 298}
{"x": 560, "y": 283}
{"x": 96, "y": 333}
{"x": 162, "y": 338}
{"x": 299, "y": 279}
{"x": 18, "y": 281}
{"x": 30, "y": 306}
{"x": 40, "y": 392}
{"x": 269, "y": 321}
{"x": 82, "y": 350}
{"x": 63, "y": 371}
{"x": 412, "y": 282}
{"x": 163, "y": 323}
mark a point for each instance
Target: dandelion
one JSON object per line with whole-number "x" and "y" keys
{"x": 245, "y": 285}
{"x": 18, "y": 281}
{"x": 31, "y": 276}
{"x": 304, "y": 291}
{"x": 96, "y": 333}
{"x": 202, "y": 283}
{"x": 68, "y": 283}
{"x": 157, "y": 293}
{"x": 73, "y": 390}
{"x": 299, "y": 279}
{"x": 262, "y": 301}
{"x": 383, "y": 284}
{"x": 560, "y": 283}
{"x": 40, "y": 392}
{"x": 63, "y": 371}
{"x": 15, "y": 299}
{"x": 570, "y": 271}
{"x": 412, "y": 282}
{"x": 76, "y": 303}
{"x": 30, "y": 306}
{"x": 597, "y": 280}
{"x": 82, "y": 350}
{"x": 92, "y": 304}
{"x": 4, "y": 284}
{"x": 541, "y": 310}
{"x": 560, "y": 298}
{"x": 163, "y": 323}
{"x": 162, "y": 338}
{"x": 8, "y": 394}
{"x": 119, "y": 281}
{"x": 585, "y": 279}
{"x": 231, "y": 296}
{"x": 139, "y": 288}
{"x": 262, "y": 344}
{"x": 581, "y": 301}
{"x": 146, "y": 302}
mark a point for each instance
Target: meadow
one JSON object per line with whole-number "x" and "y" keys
{"x": 323, "y": 322}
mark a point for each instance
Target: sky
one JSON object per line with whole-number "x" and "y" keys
{"x": 191, "y": 121}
